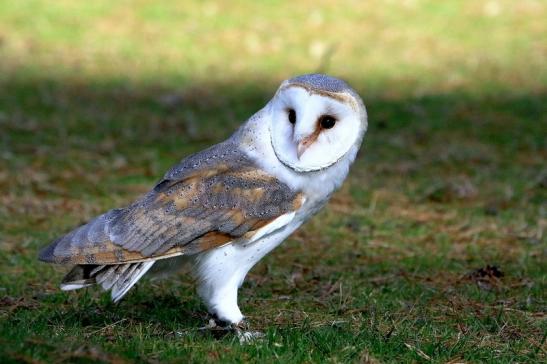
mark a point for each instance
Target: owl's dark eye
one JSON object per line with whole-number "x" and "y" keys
{"x": 292, "y": 116}
{"x": 327, "y": 121}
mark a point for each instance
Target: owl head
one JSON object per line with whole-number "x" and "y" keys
{"x": 315, "y": 121}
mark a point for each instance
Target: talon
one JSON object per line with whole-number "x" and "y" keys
{"x": 220, "y": 328}
{"x": 211, "y": 325}
{"x": 247, "y": 337}
{"x": 242, "y": 325}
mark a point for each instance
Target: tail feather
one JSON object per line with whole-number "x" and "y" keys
{"x": 79, "y": 277}
{"x": 106, "y": 277}
{"x": 119, "y": 278}
{"x": 120, "y": 290}
{"x": 114, "y": 276}
{"x": 97, "y": 270}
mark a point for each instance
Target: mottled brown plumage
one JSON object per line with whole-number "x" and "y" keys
{"x": 202, "y": 203}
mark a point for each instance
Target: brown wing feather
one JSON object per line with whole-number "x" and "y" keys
{"x": 201, "y": 203}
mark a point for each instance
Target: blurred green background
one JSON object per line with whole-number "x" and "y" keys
{"x": 434, "y": 249}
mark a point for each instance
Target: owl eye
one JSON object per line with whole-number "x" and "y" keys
{"x": 327, "y": 121}
{"x": 292, "y": 116}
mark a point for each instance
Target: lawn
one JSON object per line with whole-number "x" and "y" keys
{"x": 434, "y": 250}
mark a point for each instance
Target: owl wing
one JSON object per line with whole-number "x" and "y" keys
{"x": 209, "y": 199}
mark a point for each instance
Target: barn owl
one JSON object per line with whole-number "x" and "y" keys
{"x": 226, "y": 207}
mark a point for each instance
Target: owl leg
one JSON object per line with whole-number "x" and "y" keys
{"x": 219, "y": 293}
{"x": 220, "y": 297}
{"x": 221, "y": 271}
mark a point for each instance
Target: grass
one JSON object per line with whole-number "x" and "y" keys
{"x": 433, "y": 251}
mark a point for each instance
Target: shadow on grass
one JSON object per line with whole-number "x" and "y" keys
{"x": 162, "y": 311}
{"x": 38, "y": 113}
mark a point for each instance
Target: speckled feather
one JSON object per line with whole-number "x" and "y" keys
{"x": 207, "y": 200}
{"x": 322, "y": 82}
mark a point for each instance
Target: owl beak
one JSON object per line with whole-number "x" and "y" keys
{"x": 304, "y": 144}
{"x": 300, "y": 149}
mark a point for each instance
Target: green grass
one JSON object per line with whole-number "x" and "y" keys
{"x": 98, "y": 99}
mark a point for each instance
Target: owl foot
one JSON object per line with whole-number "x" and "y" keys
{"x": 248, "y": 337}
{"x": 219, "y": 328}
{"x": 244, "y": 334}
